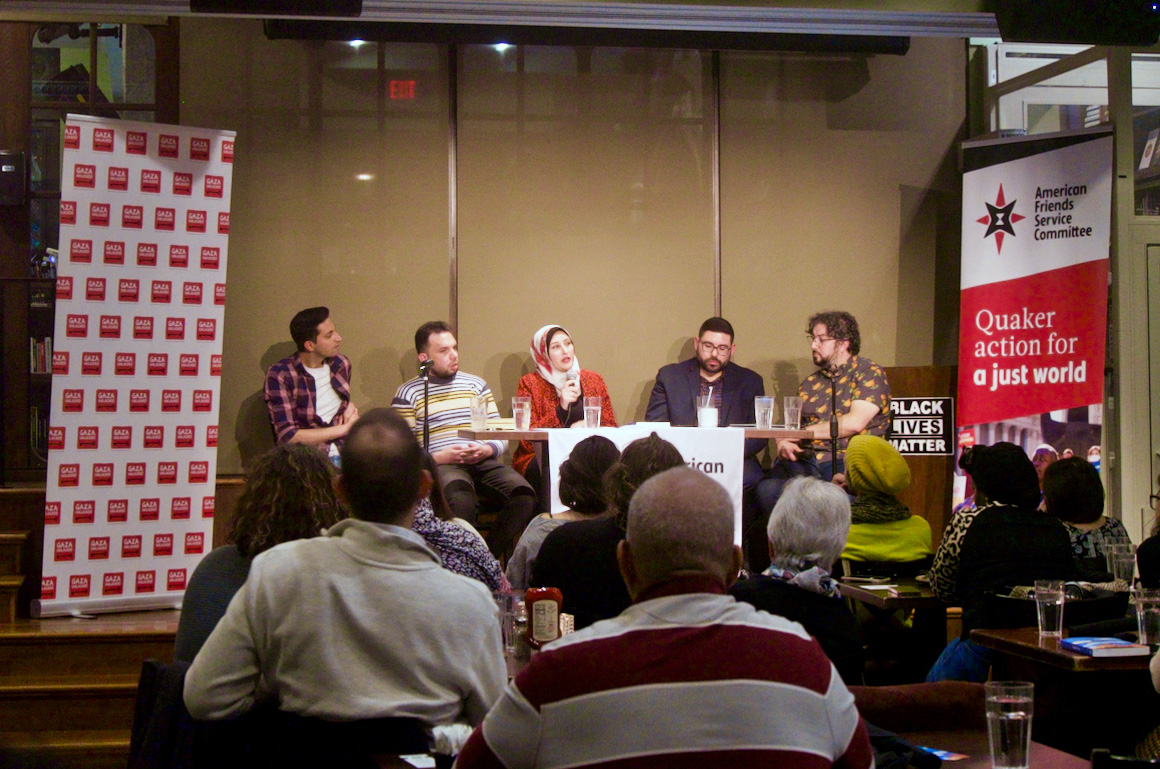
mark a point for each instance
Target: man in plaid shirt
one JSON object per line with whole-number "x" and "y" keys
{"x": 308, "y": 394}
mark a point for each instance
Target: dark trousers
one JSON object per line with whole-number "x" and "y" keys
{"x": 495, "y": 482}
{"x": 769, "y": 489}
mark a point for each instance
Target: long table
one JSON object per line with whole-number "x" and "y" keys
{"x": 539, "y": 439}
{"x": 1081, "y": 702}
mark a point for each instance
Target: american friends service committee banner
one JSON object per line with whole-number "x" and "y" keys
{"x": 140, "y": 300}
{"x": 1033, "y": 319}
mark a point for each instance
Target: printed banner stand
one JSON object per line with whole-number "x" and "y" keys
{"x": 718, "y": 452}
{"x": 1033, "y": 318}
{"x": 144, "y": 230}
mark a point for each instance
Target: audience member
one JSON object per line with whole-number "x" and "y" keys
{"x": 1003, "y": 542}
{"x": 308, "y": 394}
{"x": 581, "y": 488}
{"x": 362, "y": 623}
{"x": 464, "y": 465}
{"x": 1043, "y": 457}
{"x": 1073, "y": 493}
{"x": 289, "y": 495}
{"x": 557, "y": 389}
{"x": 806, "y": 532}
{"x": 1148, "y": 553}
{"x": 882, "y": 527}
{"x": 580, "y": 558}
{"x": 459, "y": 545}
{"x": 686, "y": 676}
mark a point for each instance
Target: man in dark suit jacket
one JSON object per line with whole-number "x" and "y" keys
{"x": 674, "y": 400}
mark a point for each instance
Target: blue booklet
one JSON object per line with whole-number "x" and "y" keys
{"x": 1103, "y": 647}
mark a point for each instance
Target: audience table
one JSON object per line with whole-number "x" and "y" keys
{"x": 973, "y": 744}
{"x": 1081, "y": 702}
{"x": 930, "y": 613}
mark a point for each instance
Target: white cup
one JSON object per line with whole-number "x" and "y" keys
{"x": 706, "y": 411}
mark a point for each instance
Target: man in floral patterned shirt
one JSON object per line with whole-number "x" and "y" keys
{"x": 863, "y": 399}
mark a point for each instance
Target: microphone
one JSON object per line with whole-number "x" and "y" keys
{"x": 572, "y": 374}
{"x": 424, "y": 365}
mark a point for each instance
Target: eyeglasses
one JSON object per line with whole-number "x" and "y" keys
{"x": 1152, "y": 500}
{"x": 818, "y": 339}
{"x": 721, "y": 349}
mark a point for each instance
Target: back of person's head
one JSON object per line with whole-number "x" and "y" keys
{"x": 640, "y": 460}
{"x": 582, "y": 474}
{"x": 874, "y": 466}
{"x": 289, "y": 495}
{"x": 1002, "y": 473}
{"x": 304, "y": 325}
{"x": 718, "y": 325}
{"x": 424, "y": 332}
{"x": 382, "y": 465}
{"x": 680, "y": 520}
{"x": 438, "y": 499}
{"x": 809, "y": 524}
{"x": 1072, "y": 490}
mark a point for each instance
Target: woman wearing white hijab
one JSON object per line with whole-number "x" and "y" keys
{"x": 557, "y": 388}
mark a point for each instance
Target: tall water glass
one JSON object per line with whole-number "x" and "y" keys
{"x": 1049, "y": 607}
{"x": 1009, "y": 710}
{"x": 478, "y": 412}
{"x": 763, "y": 409}
{"x": 1111, "y": 546}
{"x": 1124, "y": 563}
{"x": 793, "y": 412}
{"x": 522, "y": 413}
{"x": 1148, "y": 616}
{"x": 592, "y": 404}
{"x": 706, "y": 411}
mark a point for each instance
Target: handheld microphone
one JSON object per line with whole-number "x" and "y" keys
{"x": 424, "y": 365}
{"x": 572, "y": 374}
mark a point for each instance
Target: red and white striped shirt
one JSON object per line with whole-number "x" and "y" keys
{"x": 685, "y": 677}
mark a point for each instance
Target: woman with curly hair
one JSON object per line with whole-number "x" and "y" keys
{"x": 580, "y": 557}
{"x": 289, "y": 495}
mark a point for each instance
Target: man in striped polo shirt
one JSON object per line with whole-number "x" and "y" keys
{"x": 463, "y": 464}
{"x": 686, "y": 676}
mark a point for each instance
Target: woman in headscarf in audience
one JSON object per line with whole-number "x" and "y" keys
{"x": 1003, "y": 542}
{"x": 580, "y": 558}
{"x": 882, "y": 528}
{"x": 289, "y": 495}
{"x": 1073, "y": 493}
{"x": 807, "y": 531}
{"x": 557, "y": 388}
{"x": 460, "y": 547}
{"x": 581, "y": 489}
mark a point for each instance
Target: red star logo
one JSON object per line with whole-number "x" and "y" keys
{"x": 1000, "y": 219}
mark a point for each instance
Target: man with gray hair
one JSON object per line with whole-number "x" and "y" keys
{"x": 739, "y": 687}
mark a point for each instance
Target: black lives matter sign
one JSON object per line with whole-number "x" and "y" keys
{"x": 923, "y": 426}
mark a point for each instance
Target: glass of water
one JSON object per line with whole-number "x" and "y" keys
{"x": 1009, "y": 710}
{"x": 763, "y": 409}
{"x": 1148, "y": 616}
{"x": 1049, "y": 607}
{"x": 793, "y": 412}
{"x": 479, "y": 412}
{"x": 592, "y": 404}
{"x": 522, "y": 413}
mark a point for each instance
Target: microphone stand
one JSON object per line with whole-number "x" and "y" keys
{"x": 833, "y": 422}
{"x": 425, "y": 370}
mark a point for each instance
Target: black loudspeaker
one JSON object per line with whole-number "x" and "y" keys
{"x": 13, "y": 178}
{"x": 1086, "y": 22}
{"x": 279, "y": 7}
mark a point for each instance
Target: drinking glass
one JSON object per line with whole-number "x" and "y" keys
{"x": 506, "y": 602}
{"x": 1110, "y": 546}
{"x": 706, "y": 411}
{"x": 793, "y": 412}
{"x": 478, "y": 412}
{"x": 522, "y": 413}
{"x": 592, "y": 404}
{"x": 1009, "y": 709}
{"x": 1049, "y": 607}
{"x": 1148, "y": 616}
{"x": 1124, "y": 562}
{"x": 763, "y": 408}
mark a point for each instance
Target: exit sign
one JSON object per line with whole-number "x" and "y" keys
{"x": 402, "y": 89}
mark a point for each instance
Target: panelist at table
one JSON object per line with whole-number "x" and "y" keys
{"x": 863, "y": 404}
{"x": 733, "y": 387}
{"x": 557, "y": 388}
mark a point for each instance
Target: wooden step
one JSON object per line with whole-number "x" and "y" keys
{"x": 109, "y": 645}
{"x": 69, "y": 705}
{"x": 10, "y": 544}
{"x": 91, "y": 748}
{"x": 9, "y": 594}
